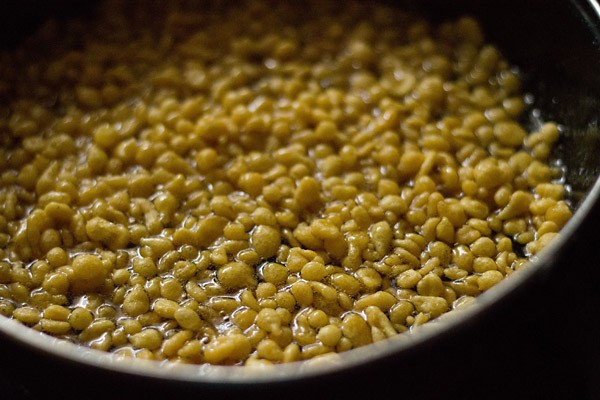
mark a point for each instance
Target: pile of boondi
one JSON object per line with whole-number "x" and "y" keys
{"x": 262, "y": 182}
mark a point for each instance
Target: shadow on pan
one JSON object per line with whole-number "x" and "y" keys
{"x": 539, "y": 341}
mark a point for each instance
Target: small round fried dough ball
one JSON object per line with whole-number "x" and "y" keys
{"x": 265, "y": 241}
{"x": 88, "y": 273}
{"x": 236, "y": 275}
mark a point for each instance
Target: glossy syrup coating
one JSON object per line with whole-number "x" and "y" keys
{"x": 262, "y": 182}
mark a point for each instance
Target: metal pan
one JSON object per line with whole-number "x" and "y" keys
{"x": 532, "y": 336}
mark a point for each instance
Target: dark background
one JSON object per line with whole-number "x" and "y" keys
{"x": 540, "y": 342}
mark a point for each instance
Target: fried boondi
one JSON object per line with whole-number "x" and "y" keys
{"x": 262, "y": 182}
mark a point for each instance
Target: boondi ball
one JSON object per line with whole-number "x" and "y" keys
{"x": 88, "y": 273}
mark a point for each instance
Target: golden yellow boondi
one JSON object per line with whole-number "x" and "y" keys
{"x": 262, "y": 182}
